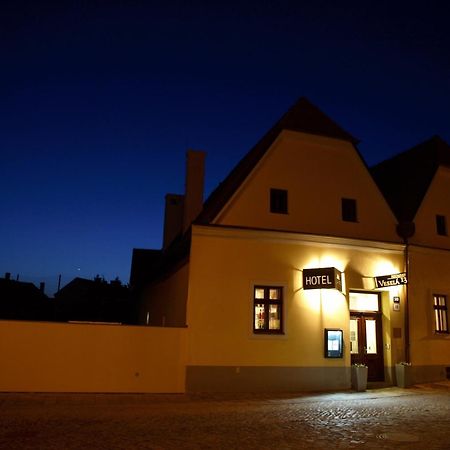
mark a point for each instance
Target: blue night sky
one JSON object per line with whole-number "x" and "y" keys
{"x": 99, "y": 102}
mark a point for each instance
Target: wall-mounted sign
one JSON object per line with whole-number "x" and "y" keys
{"x": 333, "y": 339}
{"x": 396, "y": 304}
{"x": 325, "y": 278}
{"x": 396, "y": 279}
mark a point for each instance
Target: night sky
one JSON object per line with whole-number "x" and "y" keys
{"x": 99, "y": 102}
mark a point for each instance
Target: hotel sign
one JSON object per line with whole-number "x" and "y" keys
{"x": 396, "y": 279}
{"x": 325, "y": 278}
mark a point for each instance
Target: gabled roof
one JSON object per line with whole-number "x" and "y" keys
{"x": 77, "y": 286}
{"x": 404, "y": 179}
{"x": 304, "y": 117}
{"x": 12, "y": 289}
{"x": 23, "y": 301}
{"x": 82, "y": 288}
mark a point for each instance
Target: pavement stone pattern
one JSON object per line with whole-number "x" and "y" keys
{"x": 417, "y": 418}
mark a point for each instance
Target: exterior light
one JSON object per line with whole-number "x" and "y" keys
{"x": 323, "y": 278}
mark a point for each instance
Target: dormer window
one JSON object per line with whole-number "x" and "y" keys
{"x": 278, "y": 201}
{"x": 441, "y": 225}
{"x": 349, "y": 210}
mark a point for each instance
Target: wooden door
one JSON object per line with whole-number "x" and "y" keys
{"x": 366, "y": 343}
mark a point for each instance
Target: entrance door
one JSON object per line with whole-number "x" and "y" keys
{"x": 366, "y": 343}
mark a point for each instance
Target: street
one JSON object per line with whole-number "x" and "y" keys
{"x": 388, "y": 418}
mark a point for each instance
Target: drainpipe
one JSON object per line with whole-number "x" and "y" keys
{"x": 406, "y": 230}
{"x": 407, "y": 352}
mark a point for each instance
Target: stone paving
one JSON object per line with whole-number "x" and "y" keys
{"x": 389, "y": 418}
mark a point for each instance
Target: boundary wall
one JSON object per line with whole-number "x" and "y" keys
{"x": 65, "y": 357}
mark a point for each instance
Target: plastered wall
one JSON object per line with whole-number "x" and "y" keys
{"x": 164, "y": 303}
{"x": 317, "y": 172}
{"x": 51, "y": 357}
{"x": 428, "y": 275}
{"x": 227, "y": 263}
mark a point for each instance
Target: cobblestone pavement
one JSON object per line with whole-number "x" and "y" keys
{"x": 389, "y": 418}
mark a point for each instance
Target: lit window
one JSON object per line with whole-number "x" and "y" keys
{"x": 440, "y": 313}
{"x": 278, "y": 201}
{"x": 349, "y": 210}
{"x": 268, "y": 309}
{"x": 364, "y": 301}
{"x": 441, "y": 225}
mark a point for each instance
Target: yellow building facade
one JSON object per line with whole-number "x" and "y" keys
{"x": 225, "y": 349}
{"x": 422, "y": 175}
{"x": 291, "y": 272}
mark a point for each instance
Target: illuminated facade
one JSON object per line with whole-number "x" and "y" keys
{"x": 416, "y": 184}
{"x": 291, "y": 271}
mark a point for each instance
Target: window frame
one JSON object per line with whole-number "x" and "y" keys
{"x": 441, "y": 225}
{"x": 278, "y": 199}
{"x": 440, "y": 314}
{"x": 266, "y": 301}
{"x": 349, "y": 210}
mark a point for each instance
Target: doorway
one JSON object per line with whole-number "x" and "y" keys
{"x": 366, "y": 339}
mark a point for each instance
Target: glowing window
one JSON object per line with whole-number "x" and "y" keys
{"x": 364, "y": 301}
{"x": 274, "y": 294}
{"x": 440, "y": 313}
{"x": 354, "y": 349}
{"x": 268, "y": 309}
{"x": 259, "y": 293}
{"x": 371, "y": 337}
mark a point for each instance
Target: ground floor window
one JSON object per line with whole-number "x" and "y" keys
{"x": 440, "y": 313}
{"x": 267, "y": 309}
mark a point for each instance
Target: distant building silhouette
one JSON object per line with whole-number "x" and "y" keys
{"x": 94, "y": 301}
{"x": 23, "y": 301}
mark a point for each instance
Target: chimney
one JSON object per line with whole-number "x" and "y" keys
{"x": 42, "y": 286}
{"x": 173, "y": 218}
{"x": 7, "y": 275}
{"x": 193, "y": 198}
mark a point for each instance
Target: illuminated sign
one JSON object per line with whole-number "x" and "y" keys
{"x": 325, "y": 278}
{"x": 396, "y": 279}
{"x": 333, "y": 343}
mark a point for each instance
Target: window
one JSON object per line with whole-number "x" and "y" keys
{"x": 440, "y": 313}
{"x": 278, "y": 201}
{"x": 441, "y": 226}
{"x": 349, "y": 210}
{"x": 364, "y": 301}
{"x": 267, "y": 309}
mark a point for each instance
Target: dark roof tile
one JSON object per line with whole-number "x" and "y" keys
{"x": 405, "y": 178}
{"x": 304, "y": 117}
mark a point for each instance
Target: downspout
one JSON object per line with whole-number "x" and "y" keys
{"x": 406, "y": 230}
{"x": 407, "y": 351}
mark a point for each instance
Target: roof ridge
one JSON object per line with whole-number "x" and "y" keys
{"x": 405, "y": 178}
{"x": 303, "y": 116}
{"x": 435, "y": 140}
